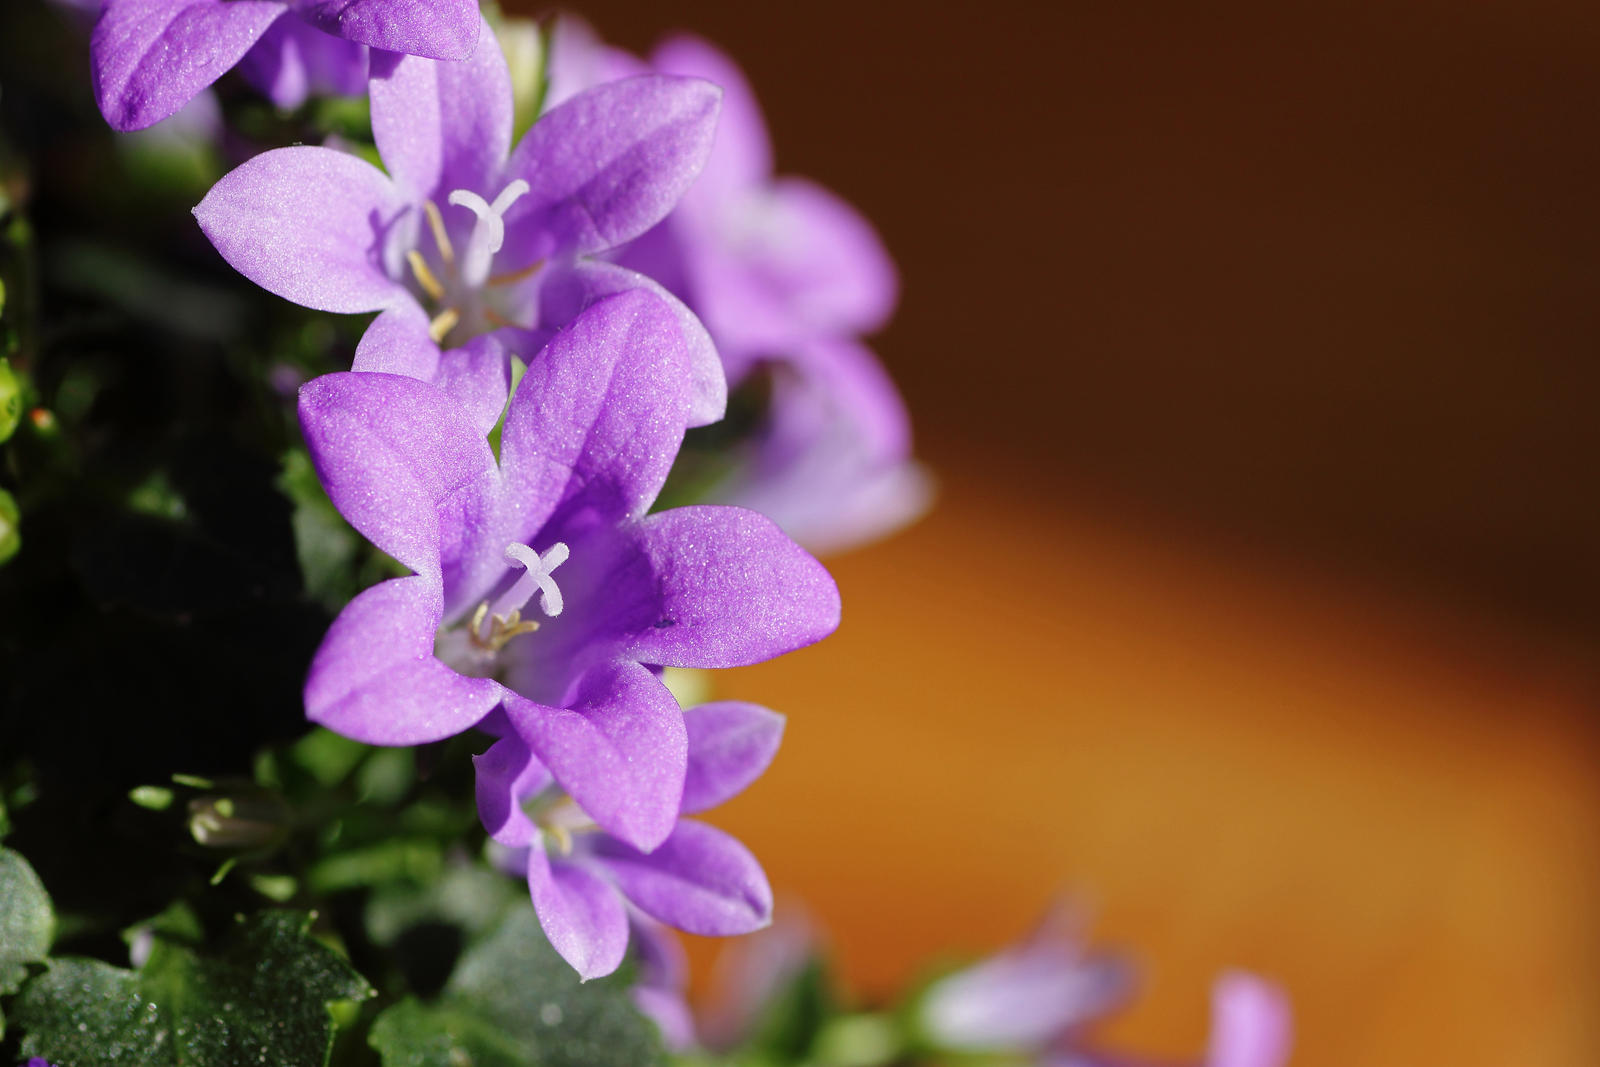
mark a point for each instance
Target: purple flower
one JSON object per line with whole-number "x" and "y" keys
{"x": 467, "y": 235}
{"x": 661, "y": 980}
{"x": 831, "y": 462}
{"x": 583, "y": 881}
{"x": 149, "y": 57}
{"x": 768, "y": 263}
{"x": 541, "y": 584}
{"x": 1028, "y": 998}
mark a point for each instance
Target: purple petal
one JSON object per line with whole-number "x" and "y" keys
{"x": 700, "y": 880}
{"x": 576, "y": 59}
{"x": 398, "y": 342}
{"x": 477, "y": 376}
{"x": 437, "y": 29}
{"x": 734, "y": 590}
{"x": 150, "y": 57}
{"x": 607, "y": 165}
{"x": 508, "y": 774}
{"x": 568, "y": 290}
{"x": 581, "y": 914}
{"x": 730, "y": 745}
{"x": 619, "y": 749}
{"x": 292, "y": 60}
{"x": 442, "y": 126}
{"x": 670, "y": 1012}
{"x": 1250, "y": 1024}
{"x": 392, "y": 452}
{"x": 659, "y": 953}
{"x": 308, "y": 224}
{"x": 599, "y": 413}
{"x": 741, "y": 156}
{"x": 375, "y": 678}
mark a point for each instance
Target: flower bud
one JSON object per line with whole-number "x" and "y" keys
{"x": 10, "y": 400}
{"x": 10, "y": 527}
{"x": 240, "y": 822}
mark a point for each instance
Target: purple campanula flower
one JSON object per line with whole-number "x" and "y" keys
{"x": 831, "y": 462}
{"x": 1028, "y": 998}
{"x": 541, "y": 586}
{"x": 487, "y": 236}
{"x": 149, "y": 57}
{"x": 584, "y": 882}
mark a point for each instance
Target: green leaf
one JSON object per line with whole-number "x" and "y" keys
{"x": 262, "y": 999}
{"x": 26, "y": 922}
{"x": 513, "y": 1001}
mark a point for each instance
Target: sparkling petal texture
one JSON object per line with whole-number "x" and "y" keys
{"x": 699, "y": 880}
{"x": 581, "y": 914}
{"x": 441, "y": 126}
{"x": 437, "y": 29}
{"x": 391, "y": 452}
{"x": 1250, "y": 1024}
{"x": 308, "y": 224}
{"x": 375, "y": 678}
{"x": 607, "y": 165}
{"x": 293, "y": 59}
{"x": 730, "y": 745}
{"x": 150, "y": 57}
{"x": 507, "y": 775}
{"x": 618, "y": 748}
{"x": 734, "y": 590}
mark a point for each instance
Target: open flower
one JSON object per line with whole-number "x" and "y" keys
{"x": 466, "y": 235}
{"x": 150, "y": 57}
{"x": 583, "y": 880}
{"x": 541, "y": 584}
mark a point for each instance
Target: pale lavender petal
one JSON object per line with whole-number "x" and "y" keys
{"x": 607, "y": 165}
{"x": 730, "y": 745}
{"x": 658, "y": 952}
{"x": 1250, "y": 1024}
{"x": 733, "y": 589}
{"x": 436, "y": 29}
{"x": 618, "y": 748}
{"x": 577, "y": 59}
{"x": 670, "y": 1012}
{"x": 442, "y": 126}
{"x": 308, "y": 224}
{"x": 293, "y": 60}
{"x": 599, "y": 413}
{"x": 567, "y": 290}
{"x": 581, "y": 914}
{"x": 398, "y": 342}
{"x": 477, "y": 376}
{"x": 700, "y": 880}
{"x": 392, "y": 452}
{"x": 507, "y": 775}
{"x": 741, "y": 156}
{"x": 375, "y": 679}
{"x": 150, "y": 57}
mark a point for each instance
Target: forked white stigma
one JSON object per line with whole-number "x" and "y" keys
{"x": 489, "y": 232}
{"x": 536, "y": 577}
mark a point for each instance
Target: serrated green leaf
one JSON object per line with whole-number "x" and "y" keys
{"x": 262, "y": 999}
{"x": 514, "y": 1001}
{"x": 26, "y": 922}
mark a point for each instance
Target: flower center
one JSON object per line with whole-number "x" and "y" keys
{"x": 465, "y": 275}
{"x": 558, "y": 816}
{"x": 493, "y": 625}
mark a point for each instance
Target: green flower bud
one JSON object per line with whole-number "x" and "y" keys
{"x": 10, "y": 400}
{"x": 10, "y": 527}
{"x": 243, "y": 821}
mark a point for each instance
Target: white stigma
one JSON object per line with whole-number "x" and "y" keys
{"x": 536, "y": 577}
{"x": 489, "y": 233}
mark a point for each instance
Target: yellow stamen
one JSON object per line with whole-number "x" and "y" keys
{"x": 440, "y": 236}
{"x": 563, "y": 839}
{"x": 497, "y": 319}
{"x": 442, "y": 324}
{"x": 516, "y": 275}
{"x": 424, "y": 276}
{"x": 502, "y": 628}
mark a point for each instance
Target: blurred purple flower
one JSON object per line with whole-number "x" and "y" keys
{"x": 661, "y": 979}
{"x": 753, "y": 972}
{"x": 1029, "y": 998}
{"x": 699, "y": 879}
{"x": 1250, "y": 1023}
{"x": 150, "y": 57}
{"x": 587, "y": 440}
{"x": 490, "y": 236}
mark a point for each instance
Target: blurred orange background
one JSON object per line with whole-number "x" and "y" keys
{"x": 1254, "y": 348}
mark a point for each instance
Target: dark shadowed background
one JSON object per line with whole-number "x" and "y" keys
{"x": 1254, "y": 346}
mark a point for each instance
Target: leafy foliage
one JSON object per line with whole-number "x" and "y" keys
{"x": 26, "y": 922}
{"x": 262, "y": 999}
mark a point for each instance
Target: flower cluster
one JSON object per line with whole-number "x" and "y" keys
{"x": 552, "y": 318}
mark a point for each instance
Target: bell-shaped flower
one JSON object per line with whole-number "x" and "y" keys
{"x": 583, "y": 880}
{"x": 150, "y": 57}
{"x": 542, "y": 584}
{"x": 465, "y": 234}
{"x": 830, "y": 461}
